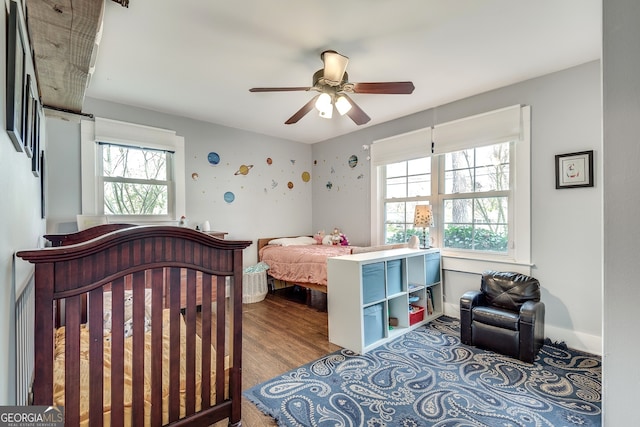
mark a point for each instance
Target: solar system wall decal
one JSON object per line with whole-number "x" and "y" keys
{"x": 226, "y": 179}
{"x": 340, "y": 174}
{"x": 237, "y": 179}
{"x": 213, "y": 158}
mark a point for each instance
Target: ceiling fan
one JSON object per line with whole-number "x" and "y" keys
{"x": 332, "y": 82}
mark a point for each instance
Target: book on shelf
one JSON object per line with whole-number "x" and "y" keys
{"x": 429, "y": 302}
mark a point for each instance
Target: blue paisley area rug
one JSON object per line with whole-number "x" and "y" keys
{"x": 427, "y": 378}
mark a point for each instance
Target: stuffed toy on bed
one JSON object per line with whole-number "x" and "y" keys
{"x": 335, "y": 238}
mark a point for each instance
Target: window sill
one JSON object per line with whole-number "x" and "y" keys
{"x": 481, "y": 262}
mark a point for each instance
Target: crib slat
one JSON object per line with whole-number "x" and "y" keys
{"x": 72, "y": 360}
{"x": 220, "y": 336}
{"x": 117, "y": 353}
{"x": 174, "y": 351}
{"x": 235, "y": 341}
{"x": 137, "y": 368}
{"x": 206, "y": 340}
{"x": 96, "y": 357}
{"x": 157, "y": 304}
{"x": 43, "y": 334}
{"x": 190, "y": 363}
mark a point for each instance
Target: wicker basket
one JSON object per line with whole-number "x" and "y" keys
{"x": 254, "y": 287}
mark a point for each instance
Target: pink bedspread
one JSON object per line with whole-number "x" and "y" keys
{"x": 300, "y": 264}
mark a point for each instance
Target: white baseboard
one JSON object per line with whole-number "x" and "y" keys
{"x": 573, "y": 339}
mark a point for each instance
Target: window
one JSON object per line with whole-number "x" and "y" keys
{"x": 475, "y": 198}
{"x": 467, "y": 170}
{"x": 135, "y": 181}
{"x": 407, "y": 184}
{"x": 132, "y": 172}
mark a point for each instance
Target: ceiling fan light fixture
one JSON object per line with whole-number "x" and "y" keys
{"x": 334, "y": 67}
{"x": 332, "y": 83}
{"x": 343, "y": 105}
{"x": 324, "y": 105}
{"x": 327, "y": 112}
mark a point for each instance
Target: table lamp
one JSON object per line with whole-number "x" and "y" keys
{"x": 423, "y": 218}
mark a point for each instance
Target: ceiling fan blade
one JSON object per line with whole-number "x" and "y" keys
{"x": 302, "y": 112}
{"x": 279, "y": 89}
{"x": 334, "y": 67}
{"x": 356, "y": 113}
{"x": 384, "y": 88}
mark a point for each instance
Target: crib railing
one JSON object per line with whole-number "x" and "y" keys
{"x": 24, "y": 309}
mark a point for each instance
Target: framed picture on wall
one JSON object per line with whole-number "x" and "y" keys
{"x": 29, "y": 113}
{"x": 574, "y": 170}
{"x": 43, "y": 188}
{"x": 15, "y": 79}
{"x": 35, "y": 159}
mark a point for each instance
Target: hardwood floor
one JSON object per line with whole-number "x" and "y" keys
{"x": 279, "y": 334}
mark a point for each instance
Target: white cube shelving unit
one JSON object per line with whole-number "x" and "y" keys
{"x": 365, "y": 290}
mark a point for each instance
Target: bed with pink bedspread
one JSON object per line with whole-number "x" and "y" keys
{"x": 305, "y": 264}
{"x": 302, "y": 265}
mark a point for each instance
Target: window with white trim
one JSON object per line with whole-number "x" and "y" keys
{"x": 475, "y": 196}
{"x": 135, "y": 180}
{"x": 131, "y": 172}
{"x": 407, "y": 184}
{"x": 474, "y": 166}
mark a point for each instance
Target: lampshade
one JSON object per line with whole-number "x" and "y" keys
{"x": 342, "y": 105}
{"x": 423, "y": 216}
{"x": 324, "y": 105}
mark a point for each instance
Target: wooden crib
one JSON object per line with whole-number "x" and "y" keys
{"x": 147, "y": 351}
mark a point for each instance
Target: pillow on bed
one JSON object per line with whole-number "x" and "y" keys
{"x": 292, "y": 241}
{"x": 128, "y": 312}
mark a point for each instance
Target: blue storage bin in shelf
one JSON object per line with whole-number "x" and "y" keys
{"x": 432, "y": 267}
{"x": 373, "y": 324}
{"x": 394, "y": 276}
{"x": 372, "y": 282}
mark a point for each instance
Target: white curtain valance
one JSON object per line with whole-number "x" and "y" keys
{"x": 124, "y": 133}
{"x": 398, "y": 148}
{"x": 488, "y": 128}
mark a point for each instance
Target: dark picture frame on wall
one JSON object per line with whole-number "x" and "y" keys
{"x": 15, "y": 79}
{"x": 35, "y": 159}
{"x": 29, "y": 114}
{"x": 574, "y": 170}
{"x": 43, "y": 187}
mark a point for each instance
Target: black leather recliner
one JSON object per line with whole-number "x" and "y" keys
{"x": 505, "y": 315}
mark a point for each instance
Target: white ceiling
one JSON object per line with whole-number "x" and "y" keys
{"x": 198, "y": 58}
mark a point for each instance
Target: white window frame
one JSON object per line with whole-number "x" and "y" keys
{"x": 407, "y": 146}
{"x": 430, "y": 199}
{"x": 123, "y": 133}
{"x": 508, "y": 124}
{"x": 441, "y": 197}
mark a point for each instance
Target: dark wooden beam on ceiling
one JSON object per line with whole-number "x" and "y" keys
{"x": 64, "y": 35}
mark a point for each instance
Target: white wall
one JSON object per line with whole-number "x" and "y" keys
{"x": 264, "y": 205}
{"x": 566, "y": 243}
{"x": 20, "y": 228}
{"x": 621, "y": 100}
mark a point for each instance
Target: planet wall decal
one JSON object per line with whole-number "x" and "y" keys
{"x": 243, "y": 170}
{"x": 195, "y": 176}
{"x": 353, "y": 161}
{"x": 213, "y": 158}
{"x": 306, "y": 176}
{"x": 229, "y": 197}
{"x": 290, "y": 185}
{"x": 269, "y": 161}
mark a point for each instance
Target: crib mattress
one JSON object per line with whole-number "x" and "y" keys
{"x": 59, "y": 378}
